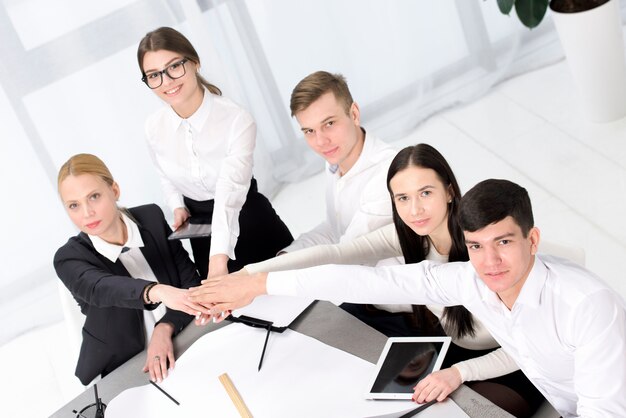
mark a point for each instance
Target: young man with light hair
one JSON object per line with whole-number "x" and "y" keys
{"x": 357, "y": 200}
{"x": 563, "y": 326}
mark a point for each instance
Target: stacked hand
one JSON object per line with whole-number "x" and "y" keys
{"x": 222, "y": 294}
{"x": 175, "y": 298}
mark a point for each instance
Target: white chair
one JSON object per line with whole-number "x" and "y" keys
{"x": 575, "y": 254}
{"x": 74, "y": 319}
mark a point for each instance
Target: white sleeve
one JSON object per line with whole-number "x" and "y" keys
{"x": 173, "y": 197}
{"x": 377, "y": 245}
{"x": 401, "y": 284}
{"x": 321, "y": 234}
{"x": 599, "y": 340}
{"x": 233, "y": 183}
{"x": 374, "y": 206}
{"x": 494, "y": 364}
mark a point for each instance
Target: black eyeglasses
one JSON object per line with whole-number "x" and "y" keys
{"x": 173, "y": 71}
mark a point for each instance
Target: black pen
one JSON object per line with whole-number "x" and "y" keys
{"x": 267, "y": 337}
{"x": 418, "y": 409}
{"x": 99, "y": 406}
{"x": 164, "y": 392}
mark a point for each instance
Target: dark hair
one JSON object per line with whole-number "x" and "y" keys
{"x": 168, "y": 39}
{"x": 491, "y": 201}
{"x": 315, "y": 85}
{"x": 415, "y": 247}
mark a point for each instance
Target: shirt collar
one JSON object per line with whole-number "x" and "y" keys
{"x": 530, "y": 294}
{"x": 334, "y": 168}
{"x": 113, "y": 251}
{"x": 198, "y": 119}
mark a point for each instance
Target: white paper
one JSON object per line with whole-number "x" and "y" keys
{"x": 280, "y": 310}
{"x": 301, "y": 377}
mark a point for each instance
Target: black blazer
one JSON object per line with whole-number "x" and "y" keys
{"x": 112, "y": 300}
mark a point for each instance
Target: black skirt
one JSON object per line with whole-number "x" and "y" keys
{"x": 261, "y": 231}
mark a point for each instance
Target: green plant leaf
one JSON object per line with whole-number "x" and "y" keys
{"x": 506, "y": 6}
{"x": 531, "y": 12}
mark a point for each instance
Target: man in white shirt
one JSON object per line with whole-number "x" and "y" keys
{"x": 564, "y": 327}
{"x": 357, "y": 200}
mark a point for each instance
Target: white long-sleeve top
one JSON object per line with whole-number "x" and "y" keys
{"x": 384, "y": 243}
{"x": 206, "y": 156}
{"x": 566, "y": 330}
{"x": 357, "y": 202}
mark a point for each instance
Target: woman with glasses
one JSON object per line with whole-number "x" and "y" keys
{"x": 202, "y": 145}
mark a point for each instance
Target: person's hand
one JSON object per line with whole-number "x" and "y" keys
{"x": 160, "y": 351}
{"x": 221, "y": 295}
{"x": 204, "y": 319}
{"x": 180, "y": 216}
{"x": 242, "y": 272}
{"x": 175, "y": 298}
{"x": 218, "y": 265}
{"x": 437, "y": 385}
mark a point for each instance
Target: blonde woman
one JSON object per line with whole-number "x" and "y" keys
{"x": 130, "y": 281}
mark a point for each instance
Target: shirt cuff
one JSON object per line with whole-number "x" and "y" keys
{"x": 281, "y": 283}
{"x": 175, "y": 201}
{"x": 464, "y": 370}
{"x": 223, "y": 245}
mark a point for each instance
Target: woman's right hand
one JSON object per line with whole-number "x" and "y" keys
{"x": 180, "y": 216}
{"x": 175, "y": 298}
{"x": 437, "y": 385}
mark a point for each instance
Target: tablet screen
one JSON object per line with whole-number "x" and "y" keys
{"x": 403, "y": 363}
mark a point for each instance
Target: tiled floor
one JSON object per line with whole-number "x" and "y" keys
{"x": 527, "y": 130}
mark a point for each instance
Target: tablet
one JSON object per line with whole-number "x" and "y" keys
{"x": 403, "y": 363}
{"x": 191, "y": 229}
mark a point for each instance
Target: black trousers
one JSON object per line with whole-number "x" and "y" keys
{"x": 261, "y": 232}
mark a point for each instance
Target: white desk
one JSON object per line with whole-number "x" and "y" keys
{"x": 323, "y": 321}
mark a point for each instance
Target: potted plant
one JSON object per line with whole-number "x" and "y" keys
{"x": 591, "y": 35}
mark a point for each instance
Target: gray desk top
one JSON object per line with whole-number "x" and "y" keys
{"x": 322, "y": 321}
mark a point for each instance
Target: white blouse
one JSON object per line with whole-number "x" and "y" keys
{"x": 206, "y": 156}
{"x": 383, "y": 243}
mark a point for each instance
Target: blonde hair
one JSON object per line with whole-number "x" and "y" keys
{"x": 315, "y": 85}
{"x": 85, "y": 164}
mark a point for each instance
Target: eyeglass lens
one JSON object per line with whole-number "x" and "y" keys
{"x": 174, "y": 71}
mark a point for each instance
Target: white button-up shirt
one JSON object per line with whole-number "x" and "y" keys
{"x": 357, "y": 202}
{"x": 135, "y": 263}
{"x": 566, "y": 330}
{"x": 206, "y": 156}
